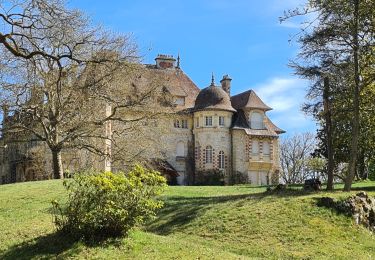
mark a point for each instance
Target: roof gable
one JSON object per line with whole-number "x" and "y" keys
{"x": 174, "y": 80}
{"x": 241, "y": 122}
{"x": 248, "y": 99}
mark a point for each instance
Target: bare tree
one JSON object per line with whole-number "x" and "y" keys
{"x": 64, "y": 81}
{"x": 295, "y": 155}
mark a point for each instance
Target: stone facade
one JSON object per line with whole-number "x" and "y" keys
{"x": 209, "y": 131}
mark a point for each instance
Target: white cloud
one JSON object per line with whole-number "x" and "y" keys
{"x": 286, "y": 96}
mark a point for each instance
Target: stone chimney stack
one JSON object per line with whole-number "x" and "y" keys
{"x": 225, "y": 84}
{"x": 165, "y": 61}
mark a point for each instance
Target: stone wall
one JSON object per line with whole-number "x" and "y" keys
{"x": 260, "y": 168}
{"x": 216, "y": 136}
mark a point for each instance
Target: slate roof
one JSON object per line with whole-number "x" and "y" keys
{"x": 248, "y": 99}
{"x": 272, "y": 126}
{"x": 213, "y": 98}
{"x": 175, "y": 81}
{"x": 241, "y": 122}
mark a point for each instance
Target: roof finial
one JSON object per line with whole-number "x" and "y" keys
{"x": 178, "y": 60}
{"x": 212, "y": 80}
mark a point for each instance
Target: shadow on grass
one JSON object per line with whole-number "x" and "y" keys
{"x": 53, "y": 245}
{"x": 180, "y": 211}
{"x": 364, "y": 188}
{"x": 43, "y": 247}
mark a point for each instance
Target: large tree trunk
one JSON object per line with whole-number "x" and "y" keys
{"x": 57, "y": 165}
{"x": 355, "y": 122}
{"x": 328, "y": 130}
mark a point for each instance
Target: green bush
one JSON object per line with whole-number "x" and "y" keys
{"x": 103, "y": 205}
{"x": 238, "y": 178}
{"x": 209, "y": 177}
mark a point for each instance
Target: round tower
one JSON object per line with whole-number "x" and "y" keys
{"x": 212, "y": 121}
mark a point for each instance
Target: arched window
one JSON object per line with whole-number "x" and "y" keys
{"x": 209, "y": 154}
{"x": 180, "y": 151}
{"x": 266, "y": 148}
{"x": 256, "y": 121}
{"x": 255, "y": 147}
{"x": 221, "y": 160}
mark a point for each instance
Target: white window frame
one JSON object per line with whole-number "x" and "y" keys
{"x": 221, "y": 121}
{"x": 180, "y": 101}
{"x": 184, "y": 123}
{"x": 266, "y": 148}
{"x": 255, "y": 144}
{"x": 208, "y": 120}
{"x": 256, "y": 123}
{"x": 208, "y": 154}
{"x": 221, "y": 160}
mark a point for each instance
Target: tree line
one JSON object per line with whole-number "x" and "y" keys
{"x": 337, "y": 45}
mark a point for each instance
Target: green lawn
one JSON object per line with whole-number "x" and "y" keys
{"x": 238, "y": 222}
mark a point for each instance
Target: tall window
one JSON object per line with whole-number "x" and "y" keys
{"x": 266, "y": 148}
{"x": 255, "y": 147}
{"x": 256, "y": 121}
{"x": 184, "y": 123}
{"x": 208, "y": 120}
{"x": 221, "y": 121}
{"x": 209, "y": 154}
{"x": 180, "y": 150}
{"x": 197, "y": 122}
{"x": 177, "y": 123}
{"x": 221, "y": 160}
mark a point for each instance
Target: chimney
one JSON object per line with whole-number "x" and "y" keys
{"x": 165, "y": 61}
{"x": 225, "y": 84}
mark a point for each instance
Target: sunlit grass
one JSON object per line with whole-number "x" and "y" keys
{"x": 227, "y": 222}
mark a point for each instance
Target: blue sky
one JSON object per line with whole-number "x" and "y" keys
{"x": 241, "y": 38}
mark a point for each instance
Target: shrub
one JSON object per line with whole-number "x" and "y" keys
{"x": 209, "y": 177}
{"x": 106, "y": 204}
{"x": 239, "y": 178}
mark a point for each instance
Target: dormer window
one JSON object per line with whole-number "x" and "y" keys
{"x": 180, "y": 101}
{"x": 256, "y": 121}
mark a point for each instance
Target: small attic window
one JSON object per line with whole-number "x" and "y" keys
{"x": 180, "y": 101}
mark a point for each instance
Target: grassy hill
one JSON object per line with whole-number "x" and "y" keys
{"x": 237, "y": 222}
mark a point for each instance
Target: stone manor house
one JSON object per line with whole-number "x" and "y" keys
{"x": 211, "y": 131}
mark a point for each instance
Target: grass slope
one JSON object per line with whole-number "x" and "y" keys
{"x": 238, "y": 222}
